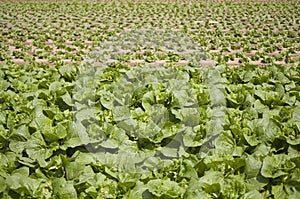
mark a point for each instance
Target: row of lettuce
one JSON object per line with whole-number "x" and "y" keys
{"x": 239, "y": 33}
{"x": 147, "y": 133}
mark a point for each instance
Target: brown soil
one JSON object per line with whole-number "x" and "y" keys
{"x": 280, "y": 62}
{"x": 295, "y": 55}
{"x": 69, "y": 43}
{"x": 207, "y": 62}
{"x": 182, "y": 62}
{"x": 250, "y": 54}
{"x": 136, "y": 61}
{"x": 67, "y": 61}
{"x": 49, "y": 42}
{"x": 215, "y": 51}
{"x": 28, "y": 42}
{"x": 235, "y": 62}
{"x": 274, "y": 54}
{"x": 158, "y": 62}
{"x": 226, "y": 30}
{"x": 44, "y": 61}
{"x": 18, "y": 61}
{"x": 236, "y": 51}
{"x": 11, "y": 48}
{"x": 89, "y": 43}
{"x": 258, "y": 63}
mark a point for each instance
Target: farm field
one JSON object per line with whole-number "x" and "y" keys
{"x": 150, "y": 99}
{"x": 232, "y": 33}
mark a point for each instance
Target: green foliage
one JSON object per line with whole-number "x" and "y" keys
{"x": 86, "y": 131}
{"x": 44, "y": 154}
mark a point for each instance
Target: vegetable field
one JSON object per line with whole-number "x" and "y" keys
{"x": 150, "y": 99}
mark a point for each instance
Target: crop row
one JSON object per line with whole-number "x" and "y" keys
{"x": 232, "y": 33}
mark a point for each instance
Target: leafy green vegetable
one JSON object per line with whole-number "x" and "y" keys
{"x": 142, "y": 116}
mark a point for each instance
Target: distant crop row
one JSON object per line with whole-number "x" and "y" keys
{"x": 232, "y": 33}
{"x": 77, "y": 120}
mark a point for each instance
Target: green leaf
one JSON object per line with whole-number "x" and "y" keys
{"x": 4, "y": 84}
{"x": 169, "y": 152}
{"x": 3, "y": 184}
{"x": 161, "y": 188}
{"x": 253, "y": 194}
{"x": 106, "y": 99}
{"x": 110, "y": 144}
{"x": 276, "y": 165}
{"x": 278, "y": 192}
{"x": 191, "y": 116}
{"x": 193, "y": 137}
{"x": 256, "y": 183}
{"x": 137, "y": 192}
{"x": 268, "y": 129}
{"x": 2, "y": 117}
{"x": 296, "y": 113}
{"x": 68, "y": 72}
{"x": 38, "y": 150}
{"x": 17, "y": 147}
{"x": 42, "y": 124}
{"x": 56, "y": 133}
{"x": 20, "y": 133}
{"x": 294, "y": 195}
{"x": 261, "y": 150}
{"x": 63, "y": 189}
{"x": 73, "y": 170}
{"x": 128, "y": 125}
{"x": 121, "y": 113}
{"x": 189, "y": 170}
{"x": 290, "y": 100}
{"x": 194, "y": 190}
{"x": 295, "y": 175}
{"x": 23, "y": 184}
{"x": 66, "y": 98}
{"x": 252, "y": 167}
{"x": 209, "y": 184}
